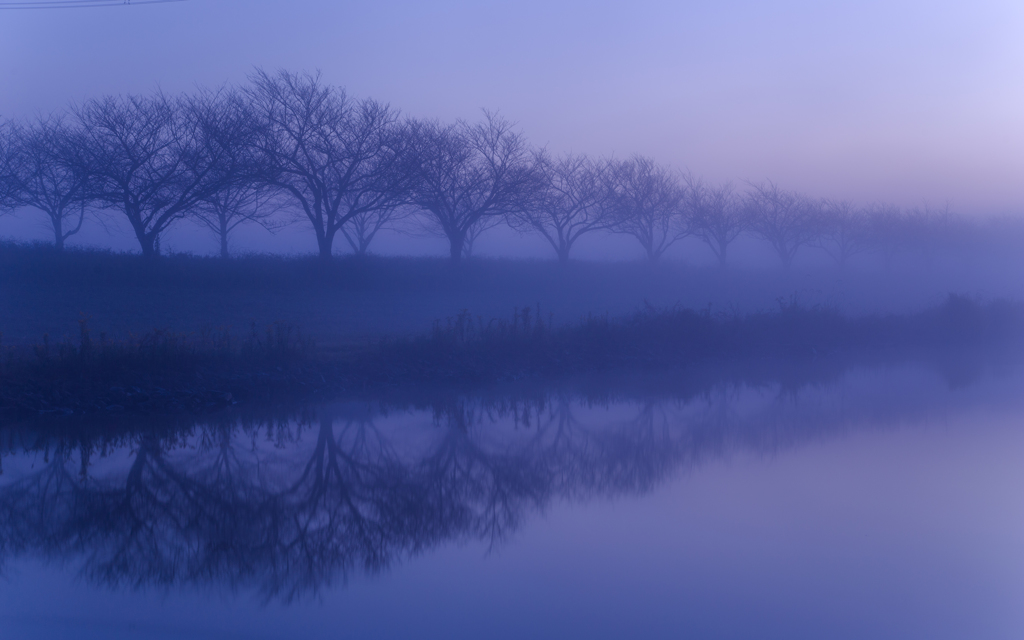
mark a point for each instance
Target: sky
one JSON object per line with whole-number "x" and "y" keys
{"x": 903, "y": 101}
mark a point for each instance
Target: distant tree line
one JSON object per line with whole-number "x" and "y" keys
{"x": 288, "y": 146}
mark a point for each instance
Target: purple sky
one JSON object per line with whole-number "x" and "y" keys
{"x": 904, "y": 100}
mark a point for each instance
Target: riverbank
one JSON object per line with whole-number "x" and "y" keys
{"x": 163, "y": 373}
{"x": 350, "y": 301}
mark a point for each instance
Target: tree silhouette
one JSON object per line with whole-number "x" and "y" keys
{"x": 229, "y": 134}
{"x": 714, "y": 215}
{"x": 50, "y": 174}
{"x": 784, "y": 219}
{"x": 573, "y": 200}
{"x": 9, "y": 162}
{"x": 843, "y": 231}
{"x": 149, "y": 157}
{"x": 469, "y": 173}
{"x": 334, "y": 157}
{"x": 363, "y": 227}
{"x": 647, "y": 201}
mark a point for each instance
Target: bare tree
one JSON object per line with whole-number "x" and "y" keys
{"x": 470, "y": 172}
{"x": 647, "y": 202}
{"x": 784, "y": 219}
{"x": 147, "y": 157}
{"x": 234, "y": 205}
{"x": 715, "y": 215}
{"x": 49, "y": 174}
{"x": 932, "y": 231}
{"x": 572, "y": 200}
{"x": 887, "y": 229}
{"x": 336, "y": 158}
{"x": 477, "y": 230}
{"x": 842, "y": 231}
{"x": 363, "y": 227}
{"x": 228, "y": 132}
{"x": 9, "y": 165}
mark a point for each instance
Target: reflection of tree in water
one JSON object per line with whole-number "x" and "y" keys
{"x": 290, "y": 507}
{"x": 203, "y": 507}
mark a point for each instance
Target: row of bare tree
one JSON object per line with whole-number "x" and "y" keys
{"x": 288, "y": 146}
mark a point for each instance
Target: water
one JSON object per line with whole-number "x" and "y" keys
{"x": 870, "y": 503}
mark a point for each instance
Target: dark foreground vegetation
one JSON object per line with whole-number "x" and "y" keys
{"x": 166, "y": 373}
{"x": 359, "y": 299}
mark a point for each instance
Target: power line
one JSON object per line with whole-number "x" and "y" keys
{"x": 76, "y": 4}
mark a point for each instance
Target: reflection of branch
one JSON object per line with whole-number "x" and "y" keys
{"x": 293, "y": 515}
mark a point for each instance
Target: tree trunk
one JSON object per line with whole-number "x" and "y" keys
{"x": 324, "y": 244}
{"x": 563, "y": 253}
{"x": 364, "y": 245}
{"x": 723, "y": 250}
{"x": 458, "y": 242}
{"x": 58, "y": 234}
{"x": 223, "y": 233}
{"x": 150, "y": 244}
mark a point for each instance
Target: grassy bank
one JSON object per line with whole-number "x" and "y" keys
{"x": 161, "y": 372}
{"x": 348, "y": 300}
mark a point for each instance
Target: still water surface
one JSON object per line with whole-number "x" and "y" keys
{"x": 882, "y": 503}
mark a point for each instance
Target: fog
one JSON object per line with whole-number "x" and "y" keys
{"x": 467, "y": 319}
{"x": 905, "y": 102}
{"x": 346, "y": 218}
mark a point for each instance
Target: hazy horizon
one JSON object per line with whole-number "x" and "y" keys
{"x": 907, "y": 102}
{"x": 900, "y": 101}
